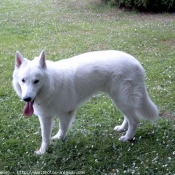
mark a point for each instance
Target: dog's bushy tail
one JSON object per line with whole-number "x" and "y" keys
{"x": 148, "y": 110}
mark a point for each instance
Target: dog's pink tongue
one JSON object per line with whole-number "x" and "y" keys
{"x": 28, "y": 109}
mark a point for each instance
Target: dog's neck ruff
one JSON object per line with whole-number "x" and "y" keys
{"x": 28, "y": 108}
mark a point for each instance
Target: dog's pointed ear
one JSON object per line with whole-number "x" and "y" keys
{"x": 18, "y": 59}
{"x": 42, "y": 59}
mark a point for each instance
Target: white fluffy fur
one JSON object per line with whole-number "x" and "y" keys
{"x": 64, "y": 85}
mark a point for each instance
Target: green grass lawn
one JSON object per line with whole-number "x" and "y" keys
{"x": 66, "y": 28}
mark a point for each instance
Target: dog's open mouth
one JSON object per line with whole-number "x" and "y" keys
{"x": 28, "y": 108}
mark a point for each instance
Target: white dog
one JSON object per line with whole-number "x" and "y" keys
{"x": 53, "y": 89}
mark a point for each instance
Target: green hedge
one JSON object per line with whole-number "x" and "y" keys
{"x": 145, "y": 5}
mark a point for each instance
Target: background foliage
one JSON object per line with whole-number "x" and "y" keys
{"x": 145, "y": 5}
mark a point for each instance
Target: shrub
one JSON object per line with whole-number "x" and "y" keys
{"x": 145, "y": 5}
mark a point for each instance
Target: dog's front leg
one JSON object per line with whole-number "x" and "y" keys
{"x": 46, "y": 128}
{"x": 65, "y": 122}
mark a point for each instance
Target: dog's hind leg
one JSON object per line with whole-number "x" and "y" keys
{"x": 65, "y": 122}
{"x": 132, "y": 122}
{"x": 46, "y": 128}
{"x": 127, "y": 96}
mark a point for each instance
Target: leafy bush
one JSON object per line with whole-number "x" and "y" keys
{"x": 145, "y": 5}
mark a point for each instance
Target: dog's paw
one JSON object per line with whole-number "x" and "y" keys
{"x": 42, "y": 149}
{"x": 124, "y": 139}
{"x": 57, "y": 137}
{"x": 119, "y": 128}
{"x": 39, "y": 152}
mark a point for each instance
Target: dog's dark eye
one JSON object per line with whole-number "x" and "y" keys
{"x": 23, "y": 80}
{"x": 36, "y": 81}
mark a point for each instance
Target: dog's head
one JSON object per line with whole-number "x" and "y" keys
{"x": 28, "y": 78}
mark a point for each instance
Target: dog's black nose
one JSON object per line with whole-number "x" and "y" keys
{"x": 27, "y": 99}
